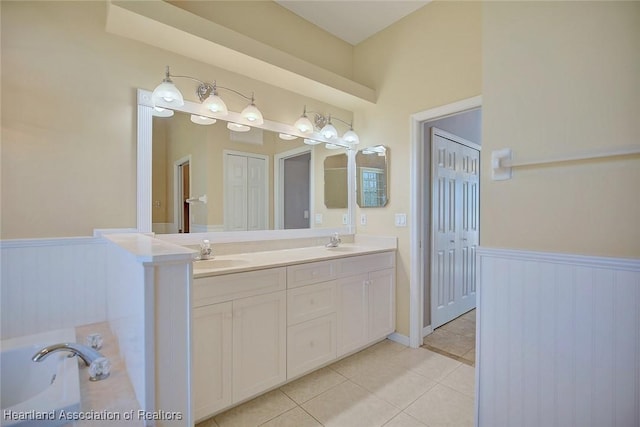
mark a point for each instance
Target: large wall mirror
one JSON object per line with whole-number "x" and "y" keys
{"x": 208, "y": 178}
{"x": 372, "y": 175}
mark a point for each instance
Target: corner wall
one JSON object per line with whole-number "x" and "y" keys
{"x": 428, "y": 59}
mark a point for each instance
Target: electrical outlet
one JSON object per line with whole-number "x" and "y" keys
{"x": 345, "y": 219}
{"x": 318, "y": 218}
{"x": 401, "y": 220}
{"x": 363, "y": 219}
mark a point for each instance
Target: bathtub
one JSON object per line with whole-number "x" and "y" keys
{"x": 34, "y": 394}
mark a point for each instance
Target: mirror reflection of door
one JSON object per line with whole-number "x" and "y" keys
{"x": 296, "y": 189}
{"x": 182, "y": 196}
{"x": 336, "y": 181}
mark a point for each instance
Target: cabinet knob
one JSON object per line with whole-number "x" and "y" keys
{"x": 311, "y": 344}
{"x": 312, "y": 301}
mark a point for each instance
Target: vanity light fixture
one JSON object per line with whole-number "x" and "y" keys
{"x": 330, "y": 146}
{"x": 287, "y": 137}
{"x": 237, "y": 127}
{"x": 303, "y": 124}
{"x": 161, "y": 112}
{"x": 208, "y": 94}
{"x": 202, "y": 120}
{"x": 327, "y": 129}
{"x": 311, "y": 141}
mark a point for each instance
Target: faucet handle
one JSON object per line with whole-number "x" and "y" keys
{"x": 99, "y": 369}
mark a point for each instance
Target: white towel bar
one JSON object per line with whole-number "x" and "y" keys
{"x": 502, "y": 162}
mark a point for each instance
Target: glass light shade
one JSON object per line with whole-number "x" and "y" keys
{"x": 161, "y": 112}
{"x": 330, "y": 146}
{"x": 311, "y": 141}
{"x": 329, "y": 131}
{"x": 351, "y": 137}
{"x": 215, "y": 104}
{"x": 202, "y": 120}
{"x": 236, "y": 127}
{"x": 252, "y": 114}
{"x": 304, "y": 125}
{"x": 287, "y": 137}
{"x": 167, "y": 92}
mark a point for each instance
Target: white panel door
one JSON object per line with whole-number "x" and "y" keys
{"x": 246, "y": 191}
{"x": 257, "y": 202}
{"x": 454, "y": 226}
{"x": 235, "y": 195}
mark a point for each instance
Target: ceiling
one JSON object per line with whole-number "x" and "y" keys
{"x": 352, "y": 20}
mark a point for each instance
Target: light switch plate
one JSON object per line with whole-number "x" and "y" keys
{"x": 363, "y": 219}
{"x": 318, "y": 218}
{"x": 345, "y": 219}
{"x": 401, "y": 220}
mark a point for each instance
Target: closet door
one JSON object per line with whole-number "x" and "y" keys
{"x": 246, "y": 191}
{"x": 454, "y": 227}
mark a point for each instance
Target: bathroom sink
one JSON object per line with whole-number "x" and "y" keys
{"x": 344, "y": 249}
{"x": 218, "y": 263}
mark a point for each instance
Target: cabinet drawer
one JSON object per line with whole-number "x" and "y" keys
{"x": 362, "y": 264}
{"x": 214, "y": 289}
{"x": 309, "y": 273}
{"x": 309, "y": 302}
{"x": 311, "y": 344}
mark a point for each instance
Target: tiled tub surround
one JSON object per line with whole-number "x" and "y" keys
{"x": 115, "y": 394}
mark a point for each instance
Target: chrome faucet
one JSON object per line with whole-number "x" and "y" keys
{"x": 205, "y": 250}
{"x": 334, "y": 241}
{"x": 99, "y": 366}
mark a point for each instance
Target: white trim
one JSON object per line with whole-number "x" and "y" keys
{"x": 62, "y": 241}
{"x": 399, "y": 338}
{"x": 630, "y": 264}
{"x": 416, "y": 301}
{"x": 177, "y": 191}
{"x": 251, "y": 236}
{"x": 427, "y": 330}
{"x": 144, "y": 162}
{"x": 278, "y": 184}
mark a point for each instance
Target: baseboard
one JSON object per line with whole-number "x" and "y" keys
{"x": 427, "y": 330}
{"x": 399, "y": 338}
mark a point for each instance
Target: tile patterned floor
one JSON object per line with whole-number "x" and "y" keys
{"x": 385, "y": 385}
{"x": 456, "y": 339}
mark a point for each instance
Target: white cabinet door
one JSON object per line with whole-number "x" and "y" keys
{"x": 212, "y": 360}
{"x": 382, "y": 303}
{"x": 353, "y": 314}
{"x": 259, "y": 343}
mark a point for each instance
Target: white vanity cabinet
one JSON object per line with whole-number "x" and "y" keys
{"x": 311, "y": 316}
{"x": 256, "y": 330}
{"x": 239, "y": 337}
{"x": 366, "y": 300}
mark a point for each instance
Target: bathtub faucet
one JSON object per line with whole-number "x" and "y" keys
{"x": 99, "y": 366}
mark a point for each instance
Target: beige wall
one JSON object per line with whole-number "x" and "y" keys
{"x": 562, "y": 79}
{"x": 69, "y": 116}
{"x": 278, "y": 27}
{"x": 430, "y": 58}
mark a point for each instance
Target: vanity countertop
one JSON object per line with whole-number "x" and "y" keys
{"x": 236, "y": 263}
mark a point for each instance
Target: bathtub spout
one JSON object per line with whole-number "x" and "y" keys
{"x": 99, "y": 366}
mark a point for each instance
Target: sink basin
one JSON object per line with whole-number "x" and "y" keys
{"x": 218, "y": 263}
{"x": 343, "y": 249}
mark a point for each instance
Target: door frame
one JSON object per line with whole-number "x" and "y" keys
{"x": 418, "y": 231}
{"x": 177, "y": 191}
{"x": 278, "y": 184}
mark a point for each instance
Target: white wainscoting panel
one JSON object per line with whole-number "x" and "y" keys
{"x": 50, "y": 284}
{"x": 558, "y": 340}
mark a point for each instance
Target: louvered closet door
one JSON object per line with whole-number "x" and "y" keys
{"x": 454, "y": 227}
